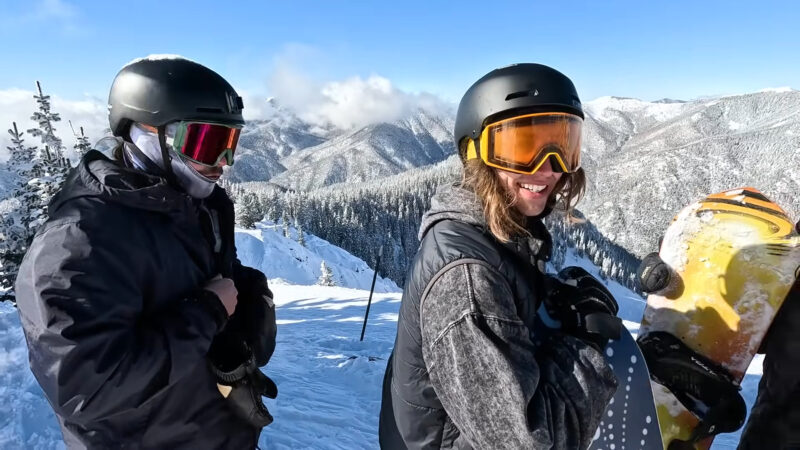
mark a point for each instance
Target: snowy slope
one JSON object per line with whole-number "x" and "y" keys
{"x": 285, "y": 261}
{"x": 26, "y": 419}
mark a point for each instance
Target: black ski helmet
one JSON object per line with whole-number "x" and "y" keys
{"x": 157, "y": 91}
{"x": 510, "y": 91}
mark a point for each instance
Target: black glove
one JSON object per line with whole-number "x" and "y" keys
{"x": 584, "y": 307}
{"x": 653, "y": 274}
{"x": 241, "y": 382}
{"x": 254, "y": 318}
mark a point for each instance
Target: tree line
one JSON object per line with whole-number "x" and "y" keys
{"x": 362, "y": 218}
{"x": 36, "y": 173}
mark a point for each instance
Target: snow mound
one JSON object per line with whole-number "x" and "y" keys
{"x": 26, "y": 419}
{"x": 284, "y": 260}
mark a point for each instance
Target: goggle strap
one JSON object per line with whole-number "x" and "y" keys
{"x": 165, "y": 157}
{"x": 472, "y": 152}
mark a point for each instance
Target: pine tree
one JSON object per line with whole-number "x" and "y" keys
{"x": 286, "y": 228}
{"x": 24, "y": 207}
{"x": 82, "y": 144}
{"x": 326, "y": 276}
{"x": 46, "y": 131}
{"x": 301, "y": 239}
{"x": 22, "y": 157}
{"x": 247, "y": 210}
{"x": 54, "y": 165}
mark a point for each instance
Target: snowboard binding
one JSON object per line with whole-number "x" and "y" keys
{"x": 701, "y": 385}
{"x": 654, "y": 275}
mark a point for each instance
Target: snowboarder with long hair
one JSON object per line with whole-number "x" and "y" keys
{"x": 144, "y": 329}
{"x": 472, "y": 365}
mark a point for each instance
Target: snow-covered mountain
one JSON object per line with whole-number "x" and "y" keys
{"x": 644, "y": 160}
{"x": 298, "y": 155}
{"x": 647, "y": 160}
{"x": 370, "y": 153}
{"x": 264, "y": 143}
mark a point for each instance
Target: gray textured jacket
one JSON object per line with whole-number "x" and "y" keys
{"x": 470, "y": 367}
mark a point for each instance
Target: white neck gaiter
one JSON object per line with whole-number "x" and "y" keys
{"x": 195, "y": 184}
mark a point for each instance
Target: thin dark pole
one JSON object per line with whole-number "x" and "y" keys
{"x": 371, "y": 290}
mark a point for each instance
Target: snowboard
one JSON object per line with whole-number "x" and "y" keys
{"x": 630, "y": 421}
{"x": 733, "y": 258}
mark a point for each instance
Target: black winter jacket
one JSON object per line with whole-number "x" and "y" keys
{"x": 116, "y": 331}
{"x": 774, "y": 421}
{"x": 471, "y": 368}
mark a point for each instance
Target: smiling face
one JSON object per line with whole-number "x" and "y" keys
{"x": 530, "y": 191}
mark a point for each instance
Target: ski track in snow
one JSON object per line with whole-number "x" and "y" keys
{"x": 329, "y": 389}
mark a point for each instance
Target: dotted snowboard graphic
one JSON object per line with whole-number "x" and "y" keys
{"x": 630, "y": 422}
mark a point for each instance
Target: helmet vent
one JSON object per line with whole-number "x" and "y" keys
{"x": 209, "y": 110}
{"x": 531, "y": 93}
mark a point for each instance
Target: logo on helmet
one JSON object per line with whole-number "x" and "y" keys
{"x": 235, "y": 103}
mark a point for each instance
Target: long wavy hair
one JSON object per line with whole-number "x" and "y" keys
{"x": 503, "y": 219}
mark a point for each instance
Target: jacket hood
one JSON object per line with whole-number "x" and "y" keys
{"x": 454, "y": 202}
{"x": 98, "y": 176}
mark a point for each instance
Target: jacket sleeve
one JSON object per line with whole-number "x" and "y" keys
{"x": 494, "y": 383}
{"x": 774, "y": 420}
{"x": 80, "y": 297}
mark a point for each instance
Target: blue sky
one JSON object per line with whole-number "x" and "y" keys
{"x": 647, "y": 50}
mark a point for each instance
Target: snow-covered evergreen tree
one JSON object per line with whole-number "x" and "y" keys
{"x": 285, "y": 227}
{"x": 301, "y": 239}
{"x": 247, "y": 210}
{"x": 82, "y": 144}
{"x": 22, "y": 157}
{"x": 54, "y": 165}
{"x": 326, "y": 276}
{"x": 22, "y": 210}
{"x": 46, "y": 131}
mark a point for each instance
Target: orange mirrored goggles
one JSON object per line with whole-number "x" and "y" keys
{"x": 522, "y": 144}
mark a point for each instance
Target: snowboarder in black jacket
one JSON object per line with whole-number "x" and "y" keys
{"x": 472, "y": 367}
{"x": 143, "y": 328}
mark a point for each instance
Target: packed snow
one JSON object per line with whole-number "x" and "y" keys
{"x": 329, "y": 381}
{"x": 286, "y": 261}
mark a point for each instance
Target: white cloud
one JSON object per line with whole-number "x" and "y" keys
{"x": 17, "y": 105}
{"x": 350, "y": 103}
{"x": 256, "y": 105}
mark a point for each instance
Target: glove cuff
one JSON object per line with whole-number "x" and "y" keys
{"x": 211, "y": 303}
{"x": 236, "y": 374}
